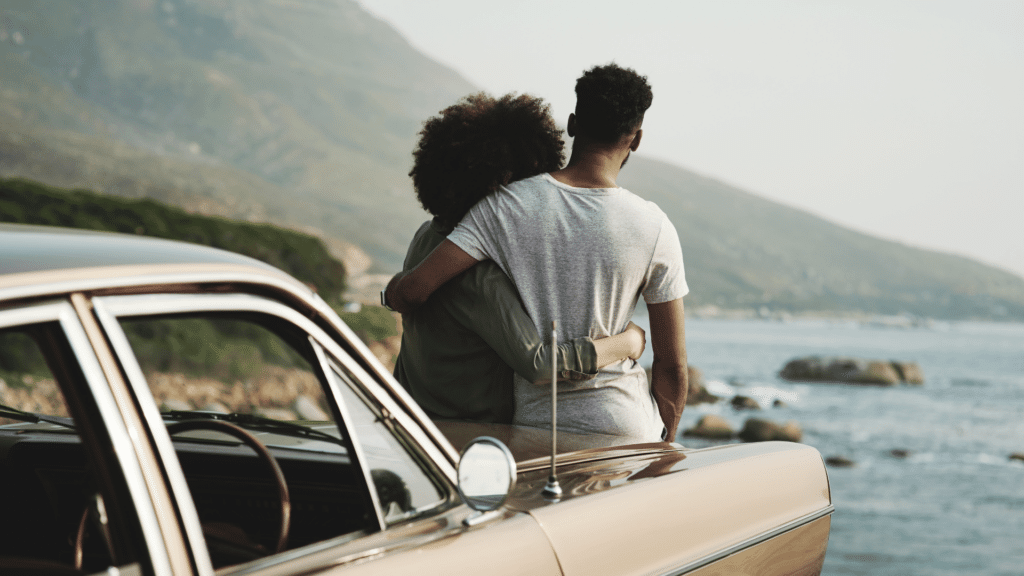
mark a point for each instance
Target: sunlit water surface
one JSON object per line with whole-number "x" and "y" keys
{"x": 955, "y": 503}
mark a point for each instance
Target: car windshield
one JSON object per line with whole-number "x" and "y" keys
{"x": 316, "y": 434}
{"x": 12, "y": 413}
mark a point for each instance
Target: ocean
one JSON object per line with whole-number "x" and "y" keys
{"x": 949, "y": 501}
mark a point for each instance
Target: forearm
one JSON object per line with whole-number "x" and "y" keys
{"x": 628, "y": 344}
{"x": 668, "y": 372}
{"x": 408, "y": 290}
{"x": 669, "y": 386}
{"x": 577, "y": 360}
{"x": 403, "y": 295}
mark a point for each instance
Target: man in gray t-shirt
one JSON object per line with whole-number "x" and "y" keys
{"x": 581, "y": 251}
{"x": 581, "y": 256}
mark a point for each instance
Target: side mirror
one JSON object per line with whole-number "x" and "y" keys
{"x": 487, "y": 475}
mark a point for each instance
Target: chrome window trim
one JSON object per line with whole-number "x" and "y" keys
{"x": 107, "y": 279}
{"x": 63, "y": 313}
{"x": 448, "y": 494}
{"x": 148, "y": 304}
{"x": 346, "y": 421}
{"x": 35, "y": 314}
{"x": 103, "y": 281}
{"x": 394, "y": 388}
{"x": 750, "y": 542}
{"x": 165, "y": 448}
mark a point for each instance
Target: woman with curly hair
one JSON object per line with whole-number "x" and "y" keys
{"x": 461, "y": 348}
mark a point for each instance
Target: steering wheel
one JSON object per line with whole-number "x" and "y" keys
{"x": 250, "y": 441}
{"x": 260, "y": 449}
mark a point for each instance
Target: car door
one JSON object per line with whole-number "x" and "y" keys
{"x": 369, "y": 491}
{"x": 74, "y": 496}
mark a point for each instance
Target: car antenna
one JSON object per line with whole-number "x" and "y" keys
{"x": 552, "y": 491}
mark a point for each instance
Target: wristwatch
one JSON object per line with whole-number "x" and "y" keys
{"x": 384, "y": 300}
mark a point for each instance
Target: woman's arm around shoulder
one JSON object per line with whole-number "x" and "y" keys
{"x": 408, "y": 290}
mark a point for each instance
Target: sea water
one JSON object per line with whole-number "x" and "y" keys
{"x": 949, "y": 500}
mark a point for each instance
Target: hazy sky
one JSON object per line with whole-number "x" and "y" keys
{"x": 904, "y": 119}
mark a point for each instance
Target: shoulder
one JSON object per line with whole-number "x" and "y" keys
{"x": 644, "y": 206}
{"x": 539, "y": 182}
{"x": 423, "y": 243}
{"x": 524, "y": 189}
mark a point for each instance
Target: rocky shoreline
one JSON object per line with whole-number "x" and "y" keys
{"x": 850, "y": 370}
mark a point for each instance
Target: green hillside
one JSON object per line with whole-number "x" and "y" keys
{"x": 301, "y": 255}
{"x": 318, "y": 100}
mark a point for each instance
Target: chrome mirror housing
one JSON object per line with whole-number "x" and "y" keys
{"x": 487, "y": 474}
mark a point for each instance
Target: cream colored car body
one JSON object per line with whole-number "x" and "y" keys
{"x": 654, "y": 509}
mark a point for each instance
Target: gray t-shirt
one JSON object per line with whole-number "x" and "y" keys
{"x": 581, "y": 257}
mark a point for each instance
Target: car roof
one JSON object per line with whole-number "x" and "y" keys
{"x": 38, "y": 261}
{"x": 25, "y": 248}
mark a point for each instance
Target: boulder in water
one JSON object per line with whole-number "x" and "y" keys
{"x": 745, "y": 403}
{"x": 760, "y": 430}
{"x": 851, "y": 371}
{"x": 711, "y": 426}
{"x": 840, "y": 462}
{"x": 696, "y": 392}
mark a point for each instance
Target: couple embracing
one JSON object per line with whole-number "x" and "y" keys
{"x": 517, "y": 241}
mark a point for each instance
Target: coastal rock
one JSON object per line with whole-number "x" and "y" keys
{"x": 696, "y": 392}
{"x": 851, "y": 371}
{"x": 909, "y": 372}
{"x": 760, "y": 430}
{"x": 840, "y": 462}
{"x": 744, "y": 403}
{"x": 711, "y": 426}
{"x": 899, "y": 453}
{"x": 1017, "y": 456}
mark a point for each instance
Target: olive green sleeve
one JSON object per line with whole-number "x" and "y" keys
{"x": 485, "y": 301}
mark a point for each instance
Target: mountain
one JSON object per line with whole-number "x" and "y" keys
{"x": 743, "y": 251}
{"x": 304, "y": 113}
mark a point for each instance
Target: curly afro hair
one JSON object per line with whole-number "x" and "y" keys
{"x": 610, "y": 102}
{"x": 479, "y": 144}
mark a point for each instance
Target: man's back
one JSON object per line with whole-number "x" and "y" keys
{"x": 582, "y": 257}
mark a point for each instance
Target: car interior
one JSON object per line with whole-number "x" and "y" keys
{"x": 268, "y": 467}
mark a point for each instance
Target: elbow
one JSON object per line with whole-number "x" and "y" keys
{"x": 537, "y": 367}
{"x": 402, "y": 295}
{"x": 670, "y": 368}
{"x": 537, "y": 372}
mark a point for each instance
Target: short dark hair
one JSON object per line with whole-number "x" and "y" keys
{"x": 610, "y": 102}
{"x": 479, "y": 144}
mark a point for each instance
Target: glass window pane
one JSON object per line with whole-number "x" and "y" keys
{"x": 404, "y": 488}
{"x": 26, "y": 382}
{"x": 224, "y": 364}
{"x": 260, "y": 373}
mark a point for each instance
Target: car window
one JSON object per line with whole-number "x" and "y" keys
{"x": 58, "y": 514}
{"x": 26, "y": 382}
{"x": 259, "y": 373}
{"x": 404, "y": 486}
{"x": 225, "y": 364}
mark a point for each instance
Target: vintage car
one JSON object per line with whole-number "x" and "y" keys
{"x": 174, "y": 409}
